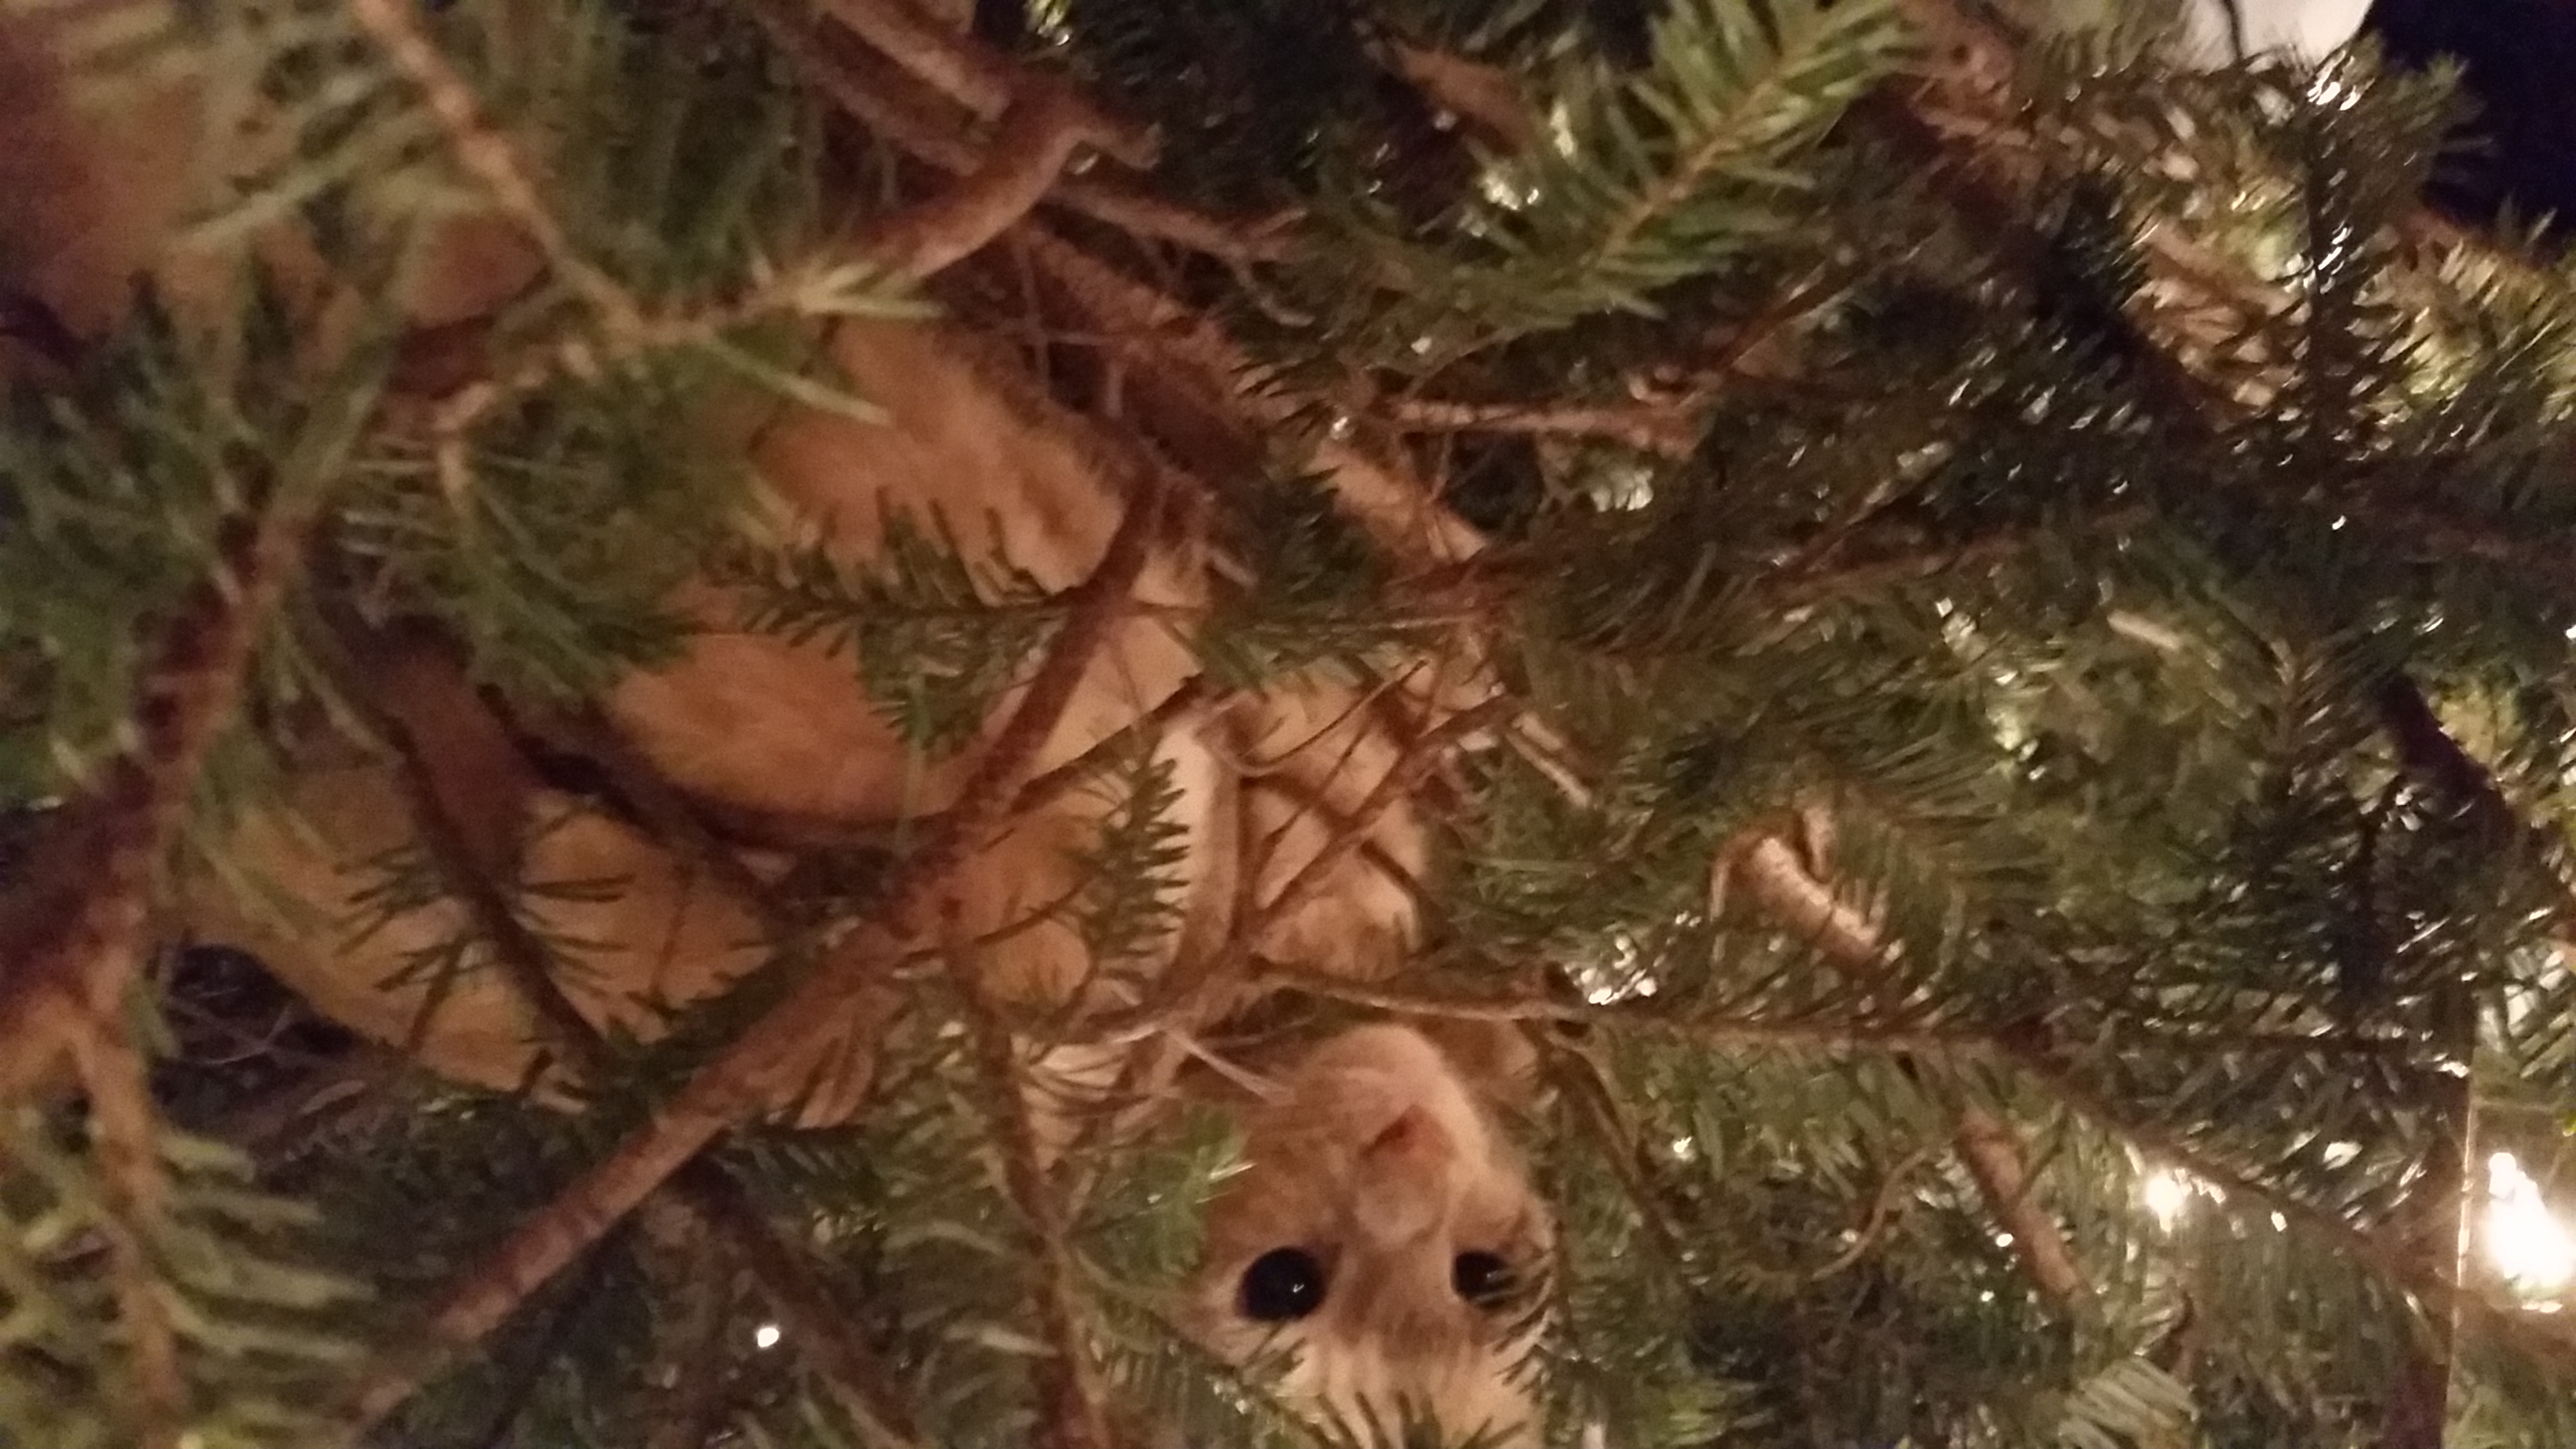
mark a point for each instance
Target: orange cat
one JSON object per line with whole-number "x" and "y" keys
{"x": 1381, "y": 1224}
{"x": 1384, "y": 1233}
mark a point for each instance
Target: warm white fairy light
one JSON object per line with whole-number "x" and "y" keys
{"x": 765, "y": 1336}
{"x": 2526, "y": 1242}
{"x": 2166, "y": 1193}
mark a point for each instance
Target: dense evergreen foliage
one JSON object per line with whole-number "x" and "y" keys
{"x": 2042, "y": 576}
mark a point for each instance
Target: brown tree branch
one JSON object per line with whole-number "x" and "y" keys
{"x": 2544, "y": 1334}
{"x": 1486, "y": 98}
{"x": 1992, "y": 1151}
{"x": 489, "y": 156}
{"x": 1193, "y": 700}
{"x": 72, "y": 937}
{"x": 1205, "y": 365}
{"x": 1311, "y": 802}
{"x": 124, "y": 1134}
{"x": 729, "y": 1088}
{"x": 471, "y": 870}
{"x": 971, "y": 73}
{"x": 1730, "y": 1033}
{"x": 1073, "y": 1414}
{"x": 898, "y": 108}
{"x": 72, "y": 941}
{"x": 2437, "y": 1202}
{"x": 1666, "y": 431}
{"x": 810, "y": 1321}
{"x": 1189, "y": 985}
{"x": 1037, "y": 135}
{"x": 430, "y": 716}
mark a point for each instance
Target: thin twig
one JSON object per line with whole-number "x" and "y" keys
{"x": 1400, "y": 510}
{"x": 1873, "y": 1225}
{"x": 1311, "y": 801}
{"x": 437, "y": 730}
{"x": 1723, "y": 1032}
{"x": 72, "y": 939}
{"x": 125, "y": 1136}
{"x": 1189, "y": 987}
{"x": 898, "y": 108}
{"x": 822, "y": 1335}
{"x": 810, "y": 1322}
{"x": 976, "y": 76}
{"x": 1073, "y": 1414}
{"x": 1993, "y": 1152}
{"x": 1037, "y": 135}
{"x": 490, "y": 157}
{"x": 1665, "y": 431}
{"x": 1485, "y": 97}
{"x": 2553, "y": 1334}
{"x": 1193, "y": 700}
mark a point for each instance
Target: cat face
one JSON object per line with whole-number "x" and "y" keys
{"x": 1384, "y": 1234}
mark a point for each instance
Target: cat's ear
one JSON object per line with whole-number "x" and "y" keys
{"x": 1496, "y": 1059}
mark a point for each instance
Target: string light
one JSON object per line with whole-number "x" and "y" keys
{"x": 2526, "y": 1242}
{"x": 765, "y": 1336}
{"x": 2166, "y": 1195}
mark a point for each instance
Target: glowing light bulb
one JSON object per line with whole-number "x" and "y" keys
{"x": 2528, "y": 1244}
{"x": 765, "y": 1336}
{"x": 2166, "y": 1195}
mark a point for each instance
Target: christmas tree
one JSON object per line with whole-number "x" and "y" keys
{"x": 1938, "y": 623}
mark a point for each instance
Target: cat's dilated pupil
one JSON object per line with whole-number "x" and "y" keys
{"x": 1482, "y": 1279}
{"x": 1282, "y": 1286}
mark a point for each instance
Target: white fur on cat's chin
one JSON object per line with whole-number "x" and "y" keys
{"x": 1387, "y": 1226}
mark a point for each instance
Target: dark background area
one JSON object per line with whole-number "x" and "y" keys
{"x": 2519, "y": 154}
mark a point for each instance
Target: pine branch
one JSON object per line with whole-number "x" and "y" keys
{"x": 2418, "y": 1410}
{"x": 1715, "y": 1031}
{"x": 1662, "y": 430}
{"x": 825, "y": 286}
{"x": 675, "y": 820}
{"x": 1487, "y": 98}
{"x": 2418, "y": 1405}
{"x": 125, "y": 1136}
{"x": 1039, "y": 132}
{"x": 1311, "y": 803}
{"x": 1189, "y": 986}
{"x": 1863, "y": 1238}
{"x": 73, "y": 936}
{"x": 1401, "y": 511}
{"x": 2543, "y": 1335}
{"x": 728, "y": 1088}
{"x": 969, "y": 72}
{"x": 809, "y": 1320}
{"x": 1041, "y": 129}
{"x": 491, "y": 158}
{"x": 1965, "y": 98}
{"x": 1993, "y": 1152}
{"x": 1738, "y": 128}
{"x": 1193, "y": 700}
{"x": 1072, "y": 1412}
{"x": 419, "y": 712}
{"x": 898, "y": 108}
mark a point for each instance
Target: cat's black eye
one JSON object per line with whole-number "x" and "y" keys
{"x": 1282, "y": 1286}
{"x": 1483, "y": 1279}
